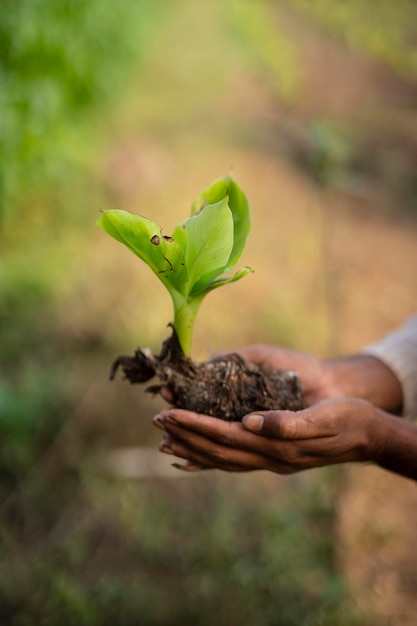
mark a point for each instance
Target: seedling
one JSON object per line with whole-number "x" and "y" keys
{"x": 190, "y": 263}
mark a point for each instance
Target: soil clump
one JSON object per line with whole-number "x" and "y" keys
{"x": 227, "y": 387}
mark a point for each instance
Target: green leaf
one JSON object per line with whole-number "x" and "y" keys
{"x": 201, "y": 249}
{"x": 220, "y": 282}
{"x": 209, "y": 242}
{"x": 239, "y": 207}
{"x": 180, "y": 236}
{"x": 163, "y": 254}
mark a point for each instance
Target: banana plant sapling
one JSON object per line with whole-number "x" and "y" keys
{"x": 190, "y": 263}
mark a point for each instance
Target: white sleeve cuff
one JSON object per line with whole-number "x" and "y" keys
{"x": 398, "y": 351}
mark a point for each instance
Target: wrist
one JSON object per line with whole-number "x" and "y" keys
{"x": 366, "y": 377}
{"x": 397, "y": 445}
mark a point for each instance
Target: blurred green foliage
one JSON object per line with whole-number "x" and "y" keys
{"x": 272, "y": 52}
{"x": 64, "y": 66}
{"x": 61, "y": 63}
{"x": 384, "y": 30}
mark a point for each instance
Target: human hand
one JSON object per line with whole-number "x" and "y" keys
{"x": 359, "y": 376}
{"x": 332, "y": 431}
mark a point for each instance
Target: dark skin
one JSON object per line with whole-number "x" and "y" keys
{"x": 351, "y": 416}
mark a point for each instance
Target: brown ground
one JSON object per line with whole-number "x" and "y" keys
{"x": 378, "y": 539}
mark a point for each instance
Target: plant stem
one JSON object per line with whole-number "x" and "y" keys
{"x": 185, "y": 312}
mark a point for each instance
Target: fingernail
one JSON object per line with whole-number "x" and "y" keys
{"x": 158, "y": 422}
{"x": 253, "y": 422}
{"x": 165, "y": 449}
{"x": 187, "y": 467}
{"x": 170, "y": 418}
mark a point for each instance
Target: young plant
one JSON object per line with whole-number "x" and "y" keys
{"x": 190, "y": 263}
{"x": 193, "y": 260}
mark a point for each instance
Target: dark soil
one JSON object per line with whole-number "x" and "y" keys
{"x": 227, "y": 387}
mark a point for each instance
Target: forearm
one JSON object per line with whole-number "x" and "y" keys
{"x": 398, "y": 450}
{"x": 366, "y": 377}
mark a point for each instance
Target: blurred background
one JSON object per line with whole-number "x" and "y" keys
{"x": 140, "y": 106}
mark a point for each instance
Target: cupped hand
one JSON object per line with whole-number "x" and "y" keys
{"x": 332, "y": 431}
{"x": 357, "y": 376}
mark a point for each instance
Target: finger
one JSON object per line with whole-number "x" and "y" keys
{"x": 159, "y": 419}
{"x": 193, "y": 446}
{"x": 169, "y": 445}
{"x": 196, "y": 459}
{"x": 268, "y": 356}
{"x": 312, "y": 423}
{"x": 167, "y": 395}
{"x": 289, "y": 457}
{"x": 219, "y": 432}
{"x": 189, "y": 467}
{"x": 252, "y": 354}
{"x": 229, "y": 433}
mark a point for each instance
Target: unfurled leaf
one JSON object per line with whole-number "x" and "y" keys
{"x": 144, "y": 238}
{"x": 239, "y": 207}
{"x": 209, "y": 242}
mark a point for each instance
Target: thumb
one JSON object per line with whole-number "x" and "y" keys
{"x": 280, "y": 424}
{"x": 253, "y": 422}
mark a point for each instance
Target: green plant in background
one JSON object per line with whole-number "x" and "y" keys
{"x": 61, "y": 63}
{"x": 202, "y": 248}
{"x": 65, "y": 65}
